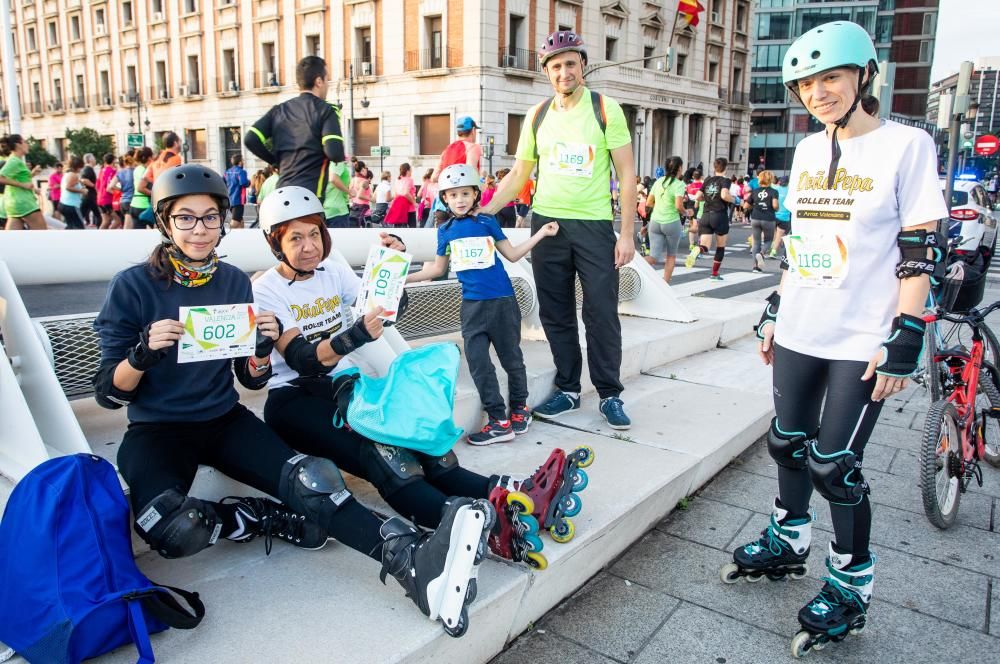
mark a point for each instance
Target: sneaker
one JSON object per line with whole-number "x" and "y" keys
{"x": 714, "y": 277}
{"x": 758, "y": 260}
{"x": 263, "y": 517}
{"x": 557, "y": 404}
{"x": 613, "y": 410}
{"x": 756, "y": 269}
{"x": 772, "y": 256}
{"x": 692, "y": 257}
{"x": 495, "y": 431}
{"x": 520, "y": 419}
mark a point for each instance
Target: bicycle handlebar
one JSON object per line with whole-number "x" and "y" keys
{"x": 974, "y": 317}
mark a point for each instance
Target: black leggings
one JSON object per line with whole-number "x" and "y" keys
{"x": 802, "y": 385}
{"x": 305, "y": 422}
{"x": 154, "y": 457}
{"x": 71, "y": 216}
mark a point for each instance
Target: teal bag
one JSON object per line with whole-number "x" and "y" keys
{"x": 411, "y": 406}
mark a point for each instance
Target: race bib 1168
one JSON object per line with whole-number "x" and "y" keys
{"x": 818, "y": 260}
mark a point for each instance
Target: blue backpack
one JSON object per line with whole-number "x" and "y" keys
{"x": 69, "y": 587}
{"x": 411, "y": 406}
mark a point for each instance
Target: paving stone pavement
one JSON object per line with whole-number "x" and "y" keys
{"x": 937, "y": 593}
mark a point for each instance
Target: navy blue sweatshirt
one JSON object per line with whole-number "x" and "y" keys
{"x": 170, "y": 392}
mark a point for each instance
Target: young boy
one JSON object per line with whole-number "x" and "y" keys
{"x": 490, "y": 314}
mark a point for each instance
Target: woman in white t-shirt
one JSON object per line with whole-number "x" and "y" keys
{"x": 383, "y": 194}
{"x": 865, "y": 198}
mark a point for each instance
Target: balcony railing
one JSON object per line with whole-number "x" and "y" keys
{"x": 266, "y": 79}
{"x": 734, "y": 97}
{"x": 432, "y": 58}
{"x": 363, "y": 67}
{"x": 519, "y": 58}
{"x": 160, "y": 92}
{"x": 227, "y": 85}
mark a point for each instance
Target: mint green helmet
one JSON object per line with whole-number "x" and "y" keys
{"x": 827, "y": 46}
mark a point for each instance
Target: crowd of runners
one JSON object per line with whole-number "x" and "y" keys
{"x": 842, "y": 331}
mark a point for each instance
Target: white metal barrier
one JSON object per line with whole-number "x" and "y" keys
{"x": 38, "y": 421}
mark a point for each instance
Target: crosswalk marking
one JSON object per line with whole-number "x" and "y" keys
{"x": 706, "y": 284}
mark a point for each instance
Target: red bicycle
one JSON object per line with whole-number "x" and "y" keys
{"x": 963, "y": 427}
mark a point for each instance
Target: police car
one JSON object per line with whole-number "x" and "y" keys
{"x": 971, "y": 216}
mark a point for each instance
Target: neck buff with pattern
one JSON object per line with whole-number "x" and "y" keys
{"x": 187, "y": 274}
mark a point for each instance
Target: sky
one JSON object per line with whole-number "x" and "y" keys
{"x": 966, "y": 29}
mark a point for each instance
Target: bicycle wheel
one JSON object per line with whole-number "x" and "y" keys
{"x": 940, "y": 463}
{"x": 988, "y": 396}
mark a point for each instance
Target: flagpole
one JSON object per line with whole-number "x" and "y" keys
{"x": 673, "y": 26}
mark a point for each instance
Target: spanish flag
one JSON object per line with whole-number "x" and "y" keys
{"x": 690, "y": 9}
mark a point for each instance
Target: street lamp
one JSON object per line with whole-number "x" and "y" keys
{"x": 639, "y": 124}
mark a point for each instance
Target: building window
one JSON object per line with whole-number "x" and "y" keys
{"x": 127, "y": 19}
{"x": 767, "y": 90}
{"x": 434, "y": 132}
{"x": 30, "y": 38}
{"x": 156, "y": 6}
{"x": 681, "y": 63}
{"x": 99, "y": 20}
{"x": 366, "y": 135}
{"x": 230, "y": 81}
{"x": 515, "y": 33}
{"x": 742, "y": 10}
{"x": 193, "y": 75}
{"x": 769, "y": 57}
{"x": 925, "y": 51}
{"x": 930, "y": 23}
{"x": 737, "y": 83}
{"x": 269, "y": 64}
{"x": 313, "y": 46}
{"x": 713, "y": 72}
{"x": 197, "y": 140}
{"x": 161, "y": 80}
{"x": 57, "y": 93}
{"x": 36, "y": 94}
{"x": 715, "y": 11}
{"x": 74, "y": 27}
{"x": 363, "y": 44}
{"x": 190, "y": 7}
{"x": 105, "y": 88}
{"x": 514, "y": 125}
{"x": 610, "y": 48}
{"x": 131, "y": 82}
{"x": 435, "y": 45}
{"x": 53, "y": 31}
{"x": 81, "y": 91}
{"x": 770, "y": 123}
{"x": 774, "y": 26}
{"x": 649, "y": 62}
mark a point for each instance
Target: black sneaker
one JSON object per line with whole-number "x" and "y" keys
{"x": 495, "y": 431}
{"x": 520, "y": 419}
{"x": 263, "y": 517}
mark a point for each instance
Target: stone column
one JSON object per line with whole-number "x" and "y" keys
{"x": 677, "y": 137}
{"x": 707, "y": 141}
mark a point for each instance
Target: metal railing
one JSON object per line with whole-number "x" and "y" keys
{"x": 159, "y": 92}
{"x": 518, "y": 58}
{"x": 363, "y": 67}
{"x": 432, "y": 58}
{"x": 266, "y": 79}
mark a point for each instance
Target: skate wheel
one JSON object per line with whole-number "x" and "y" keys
{"x": 799, "y": 575}
{"x": 563, "y": 532}
{"x": 461, "y": 627}
{"x": 754, "y": 578}
{"x": 534, "y": 543}
{"x": 522, "y": 502}
{"x": 857, "y": 630}
{"x": 586, "y": 454}
{"x": 730, "y": 573}
{"x": 580, "y": 480}
{"x": 529, "y": 524}
{"x": 571, "y": 505}
{"x": 536, "y": 560}
{"x": 800, "y": 644}
{"x": 471, "y": 592}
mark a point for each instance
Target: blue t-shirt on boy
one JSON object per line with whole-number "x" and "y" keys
{"x": 460, "y": 235}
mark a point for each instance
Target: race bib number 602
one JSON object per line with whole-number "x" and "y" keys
{"x": 217, "y": 332}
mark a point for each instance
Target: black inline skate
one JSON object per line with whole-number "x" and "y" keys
{"x": 840, "y": 608}
{"x": 781, "y": 551}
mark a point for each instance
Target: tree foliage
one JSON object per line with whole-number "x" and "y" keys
{"x": 82, "y": 141}
{"x": 38, "y": 155}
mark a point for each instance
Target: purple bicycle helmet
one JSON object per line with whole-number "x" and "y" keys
{"x": 561, "y": 41}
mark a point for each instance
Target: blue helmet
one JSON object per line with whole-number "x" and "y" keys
{"x": 660, "y": 172}
{"x": 831, "y": 45}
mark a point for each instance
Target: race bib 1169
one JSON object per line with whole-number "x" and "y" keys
{"x": 572, "y": 160}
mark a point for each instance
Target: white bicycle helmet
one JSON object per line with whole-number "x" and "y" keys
{"x": 457, "y": 175}
{"x": 290, "y": 204}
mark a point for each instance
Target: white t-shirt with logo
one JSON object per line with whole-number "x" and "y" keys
{"x": 319, "y": 307}
{"x": 886, "y": 181}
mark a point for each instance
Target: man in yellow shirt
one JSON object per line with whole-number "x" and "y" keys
{"x": 585, "y": 133}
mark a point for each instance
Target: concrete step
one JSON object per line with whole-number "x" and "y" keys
{"x": 691, "y": 417}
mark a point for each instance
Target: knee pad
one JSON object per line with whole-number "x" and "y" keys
{"x": 313, "y": 487}
{"x": 837, "y": 477}
{"x": 789, "y": 450}
{"x": 720, "y": 253}
{"x": 391, "y": 468}
{"x": 435, "y": 467}
{"x": 175, "y": 525}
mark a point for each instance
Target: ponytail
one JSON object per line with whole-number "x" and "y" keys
{"x": 672, "y": 168}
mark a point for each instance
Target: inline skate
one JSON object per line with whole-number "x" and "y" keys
{"x": 515, "y": 535}
{"x": 781, "y": 551}
{"x": 553, "y": 489}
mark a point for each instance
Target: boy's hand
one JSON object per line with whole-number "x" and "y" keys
{"x": 549, "y": 229}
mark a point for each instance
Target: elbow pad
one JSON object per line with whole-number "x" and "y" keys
{"x": 241, "y": 367}
{"x": 300, "y": 356}
{"x": 913, "y": 246}
{"x": 105, "y": 392}
{"x": 350, "y": 340}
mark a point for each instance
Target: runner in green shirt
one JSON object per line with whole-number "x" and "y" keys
{"x": 335, "y": 201}
{"x": 574, "y": 156}
{"x": 666, "y": 198}
{"x": 20, "y": 197}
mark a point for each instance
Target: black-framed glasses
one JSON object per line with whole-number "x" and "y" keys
{"x": 186, "y": 222}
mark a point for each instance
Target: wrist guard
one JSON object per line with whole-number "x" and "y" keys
{"x": 143, "y": 358}
{"x": 355, "y": 337}
{"x": 901, "y": 351}
{"x": 770, "y": 315}
{"x": 265, "y": 344}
